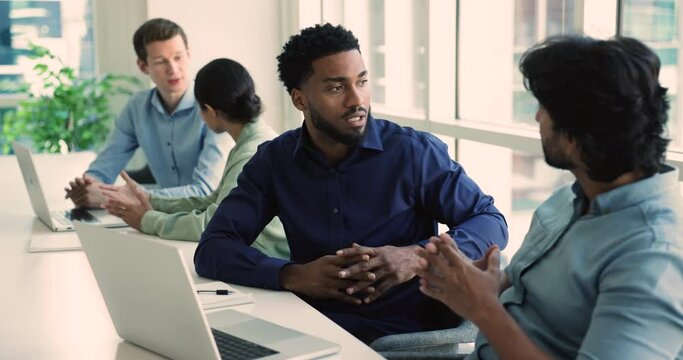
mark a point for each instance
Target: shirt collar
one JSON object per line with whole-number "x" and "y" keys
{"x": 631, "y": 194}
{"x": 186, "y": 102}
{"x": 370, "y": 140}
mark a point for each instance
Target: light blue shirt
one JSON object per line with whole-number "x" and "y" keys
{"x": 185, "y": 157}
{"x": 604, "y": 285}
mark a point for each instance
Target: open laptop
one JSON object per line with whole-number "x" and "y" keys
{"x": 56, "y": 220}
{"x": 152, "y": 302}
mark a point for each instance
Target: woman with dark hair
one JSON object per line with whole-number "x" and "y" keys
{"x": 226, "y": 96}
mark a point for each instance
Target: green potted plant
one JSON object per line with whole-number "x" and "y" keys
{"x": 66, "y": 112}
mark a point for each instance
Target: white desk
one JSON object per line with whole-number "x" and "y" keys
{"x": 51, "y": 308}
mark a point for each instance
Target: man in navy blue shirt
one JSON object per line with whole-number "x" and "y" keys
{"x": 357, "y": 197}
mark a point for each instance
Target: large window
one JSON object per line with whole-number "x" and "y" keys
{"x": 63, "y": 26}
{"x": 535, "y": 20}
{"x": 397, "y": 60}
{"x": 451, "y": 68}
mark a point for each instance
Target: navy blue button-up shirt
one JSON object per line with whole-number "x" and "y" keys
{"x": 393, "y": 190}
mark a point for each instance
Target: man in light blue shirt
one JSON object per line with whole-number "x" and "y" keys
{"x": 185, "y": 157}
{"x": 600, "y": 273}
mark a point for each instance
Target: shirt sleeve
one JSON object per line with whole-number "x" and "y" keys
{"x": 118, "y": 149}
{"x": 639, "y": 309}
{"x": 186, "y": 218}
{"x": 183, "y": 225}
{"x": 178, "y": 204}
{"x": 207, "y": 174}
{"x": 224, "y": 251}
{"x": 179, "y": 218}
{"x": 453, "y": 198}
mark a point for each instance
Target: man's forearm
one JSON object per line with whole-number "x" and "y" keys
{"x": 508, "y": 340}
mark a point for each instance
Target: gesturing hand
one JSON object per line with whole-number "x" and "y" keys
{"x": 129, "y": 202}
{"x": 129, "y": 191}
{"x": 319, "y": 279}
{"x": 450, "y": 277}
{"x": 388, "y": 266}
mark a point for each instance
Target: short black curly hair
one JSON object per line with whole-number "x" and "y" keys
{"x": 605, "y": 94}
{"x": 294, "y": 63}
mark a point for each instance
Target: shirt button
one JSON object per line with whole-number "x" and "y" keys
{"x": 173, "y": 168}
{"x": 168, "y": 144}
{"x": 335, "y": 210}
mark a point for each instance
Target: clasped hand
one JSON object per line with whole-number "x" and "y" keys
{"x": 85, "y": 192}
{"x": 354, "y": 275}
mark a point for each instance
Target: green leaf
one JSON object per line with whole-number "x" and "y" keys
{"x": 40, "y": 68}
{"x": 76, "y": 110}
{"x": 36, "y": 51}
{"x": 68, "y": 72}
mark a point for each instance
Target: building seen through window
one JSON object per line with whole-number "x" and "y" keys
{"x": 656, "y": 24}
{"x": 63, "y": 26}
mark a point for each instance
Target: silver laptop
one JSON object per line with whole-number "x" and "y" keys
{"x": 56, "y": 220}
{"x": 153, "y": 303}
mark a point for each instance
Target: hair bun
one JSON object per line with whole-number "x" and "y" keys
{"x": 227, "y": 86}
{"x": 247, "y": 106}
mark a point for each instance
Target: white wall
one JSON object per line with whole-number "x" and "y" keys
{"x": 114, "y": 25}
{"x": 246, "y": 31}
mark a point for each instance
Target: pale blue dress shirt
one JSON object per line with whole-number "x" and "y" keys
{"x": 185, "y": 157}
{"x": 604, "y": 285}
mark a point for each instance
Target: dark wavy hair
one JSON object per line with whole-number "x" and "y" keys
{"x": 226, "y": 86}
{"x": 155, "y": 30}
{"x": 604, "y": 94}
{"x": 295, "y": 62}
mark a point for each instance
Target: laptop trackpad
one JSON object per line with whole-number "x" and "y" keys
{"x": 249, "y": 328}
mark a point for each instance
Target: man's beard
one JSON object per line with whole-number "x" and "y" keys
{"x": 326, "y": 127}
{"x": 554, "y": 155}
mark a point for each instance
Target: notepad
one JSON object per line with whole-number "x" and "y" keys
{"x": 49, "y": 241}
{"x": 213, "y": 301}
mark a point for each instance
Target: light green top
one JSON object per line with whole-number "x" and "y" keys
{"x": 185, "y": 218}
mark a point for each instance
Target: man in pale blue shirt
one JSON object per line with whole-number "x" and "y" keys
{"x": 185, "y": 157}
{"x": 600, "y": 272}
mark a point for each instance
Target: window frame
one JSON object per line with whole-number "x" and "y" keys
{"x": 441, "y": 112}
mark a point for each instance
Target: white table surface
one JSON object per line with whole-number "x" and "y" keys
{"x": 51, "y": 307}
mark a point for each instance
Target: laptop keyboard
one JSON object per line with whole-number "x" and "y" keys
{"x": 81, "y": 214}
{"x": 232, "y": 347}
{"x": 60, "y": 217}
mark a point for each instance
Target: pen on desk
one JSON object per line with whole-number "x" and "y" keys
{"x": 217, "y": 292}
